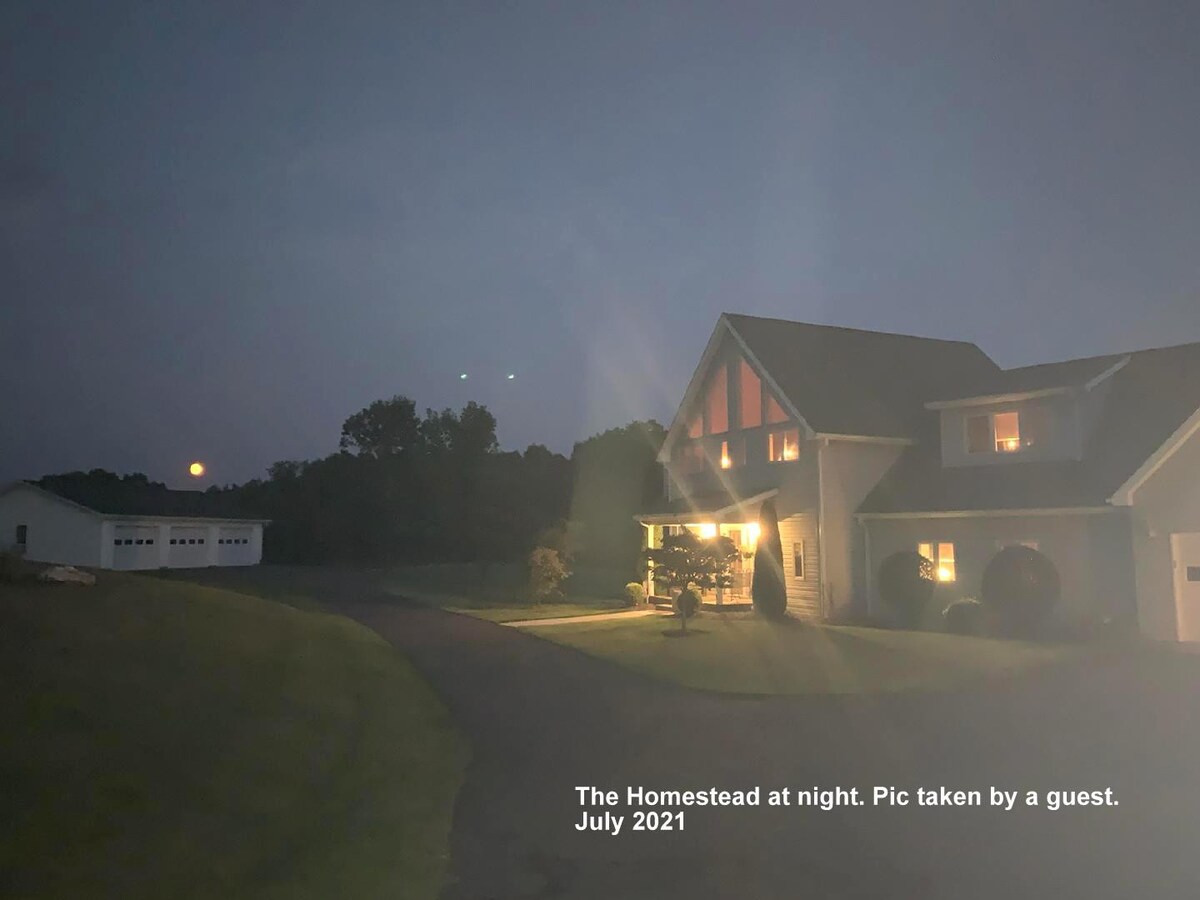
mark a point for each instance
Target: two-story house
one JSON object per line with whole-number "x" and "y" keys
{"x": 870, "y": 443}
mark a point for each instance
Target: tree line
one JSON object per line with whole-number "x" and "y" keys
{"x": 406, "y": 488}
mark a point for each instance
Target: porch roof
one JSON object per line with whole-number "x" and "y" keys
{"x": 718, "y": 506}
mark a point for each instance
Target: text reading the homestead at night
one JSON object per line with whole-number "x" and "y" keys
{"x": 639, "y": 808}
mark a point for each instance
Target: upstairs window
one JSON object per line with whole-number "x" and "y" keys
{"x": 733, "y": 453}
{"x": 696, "y": 427}
{"x": 750, "y": 396}
{"x": 783, "y": 445}
{"x": 22, "y": 535}
{"x": 775, "y": 412}
{"x": 717, "y": 402}
{"x": 997, "y": 432}
{"x": 1007, "y": 427}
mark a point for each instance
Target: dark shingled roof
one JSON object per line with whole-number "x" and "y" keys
{"x": 1068, "y": 374}
{"x": 1148, "y": 399}
{"x": 119, "y": 499}
{"x": 847, "y": 381}
{"x": 704, "y": 502}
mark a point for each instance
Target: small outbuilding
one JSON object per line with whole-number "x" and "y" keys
{"x": 153, "y": 529}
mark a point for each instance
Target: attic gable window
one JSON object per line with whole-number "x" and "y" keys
{"x": 775, "y": 412}
{"x": 716, "y": 403}
{"x": 749, "y": 396}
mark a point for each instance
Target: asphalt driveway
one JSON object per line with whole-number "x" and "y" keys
{"x": 544, "y": 719}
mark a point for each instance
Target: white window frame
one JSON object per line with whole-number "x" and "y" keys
{"x": 992, "y": 448}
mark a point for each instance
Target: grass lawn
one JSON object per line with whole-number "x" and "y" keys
{"x": 163, "y": 739}
{"x": 743, "y": 654}
{"x": 499, "y": 594}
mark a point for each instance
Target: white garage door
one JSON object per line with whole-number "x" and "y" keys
{"x": 1185, "y": 556}
{"x": 233, "y": 547}
{"x": 135, "y": 547}
{"x": 188, "y": 547}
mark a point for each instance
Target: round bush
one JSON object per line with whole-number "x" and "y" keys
{"x": 964, "y": 616}
{"x": 1020, "y": 589}
{"x": 906, "y": 586}
{"x": 635, "y": 593}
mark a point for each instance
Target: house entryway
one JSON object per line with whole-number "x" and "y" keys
{"x": 1185, "y": 560}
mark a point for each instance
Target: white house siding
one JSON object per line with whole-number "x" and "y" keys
{"x": 849, "y": 470}
{"x": 1091, "y": 552}
{"x": 56, "y": 532}
{"x": 804, "y": 594}
{"x": 1168, "y": 502}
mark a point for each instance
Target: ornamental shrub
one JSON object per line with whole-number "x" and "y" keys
{"x": 964, "y": 616}
{"x": 635, "y": 593}
{"x": 547, "y": 572}
{"x": 906, "y": 587}
{"x": 1020, "y": 589}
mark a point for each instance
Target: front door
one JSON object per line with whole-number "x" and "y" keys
{"x": 1185, "y": 558}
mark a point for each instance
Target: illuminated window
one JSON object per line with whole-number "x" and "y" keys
{"x": 943, "y": 560}
{"x": 798, "y": 559}
{"x": 750, "y": 396}
{"x": 708, "y": 531}
{"x": 717, "y": 402}
{"x": 775, "y": 412}
{"x": 784, "y": 445}
{"x": 733, "y": 453}
{"x": 1000, "y": 432}
{"x": 1007, "y": 427}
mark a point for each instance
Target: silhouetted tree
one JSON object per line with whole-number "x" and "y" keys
{"x": 768, "y": 590}
{"x": 383, "y": 428}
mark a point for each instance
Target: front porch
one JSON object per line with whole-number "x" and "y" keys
{"x": 744, "y": 536}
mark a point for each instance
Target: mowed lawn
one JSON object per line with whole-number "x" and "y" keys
{"x": 163, "y": 739}
{"x": 742, "y": 653}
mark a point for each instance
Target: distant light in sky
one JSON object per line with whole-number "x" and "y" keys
{"x": 196, "y": 469}
{"x": 463, "y": 376}
{"x": 511, "y": 376}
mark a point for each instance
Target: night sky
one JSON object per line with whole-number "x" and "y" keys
{"x": 225, "y": 227}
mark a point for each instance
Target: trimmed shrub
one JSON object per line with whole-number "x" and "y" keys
{"x": 1020, "y": 588}
{"x": 767, "y": 588}
{"x": 906, "y": 587}
{"x": 964, "y": 616}
{"x": 546, "y": 574}
{"x": 635, "y": 593}
{"x": 686, "y": 606}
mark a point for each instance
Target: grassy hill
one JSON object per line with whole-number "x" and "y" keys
{"x": 163, "y": 739}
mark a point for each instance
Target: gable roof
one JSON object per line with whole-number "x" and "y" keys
{"x": 1042, "y": 378}
{"x": 849, "y": 381}
{"x": 1150, "y": 397}
{"x": 122, "y": 501}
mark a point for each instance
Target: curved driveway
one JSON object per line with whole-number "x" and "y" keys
{"x": 543, "y": 719}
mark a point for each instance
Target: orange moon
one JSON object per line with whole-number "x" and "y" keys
{"x": 196, "y": 469}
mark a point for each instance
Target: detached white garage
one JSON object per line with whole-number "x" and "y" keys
{"x": 161, "y": 530}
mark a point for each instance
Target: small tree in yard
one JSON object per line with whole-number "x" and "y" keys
{"x": 546, "y": 574}
{"x": 686, "y": 605}
{"x": 687, "y": 561}
{"x": 767, "y": 588}
{"x": 1020, "y": 589}
{"x": 906, "y": 586}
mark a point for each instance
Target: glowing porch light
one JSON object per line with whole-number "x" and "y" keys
{"x": 753, "y": 530}
{"x": 708, "y": 530}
